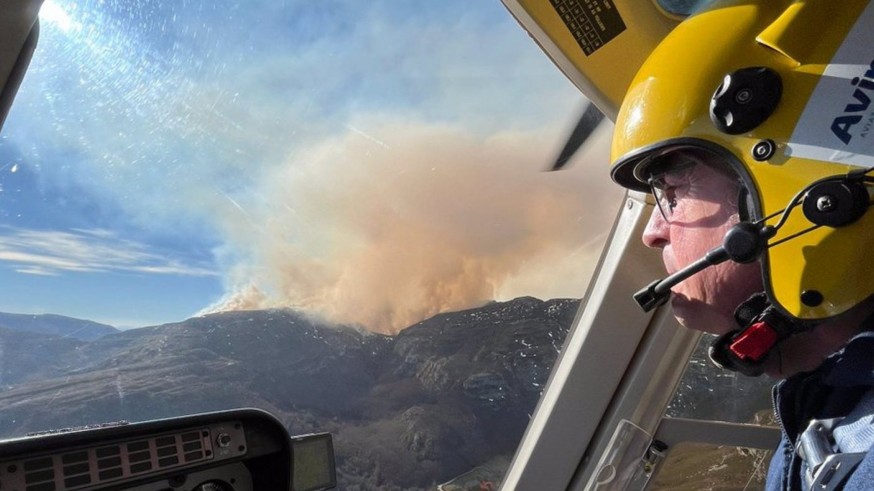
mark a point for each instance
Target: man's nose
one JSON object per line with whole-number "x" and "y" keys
{"x": 656, "y": 233}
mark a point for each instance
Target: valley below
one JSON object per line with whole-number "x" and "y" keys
{"x": 444, "y": 396}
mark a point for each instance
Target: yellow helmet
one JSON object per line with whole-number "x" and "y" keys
{"x": 781, "y": 91}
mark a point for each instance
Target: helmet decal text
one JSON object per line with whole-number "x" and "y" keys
{"x": 842, "y": 125}
{"x": 837, "y": 122}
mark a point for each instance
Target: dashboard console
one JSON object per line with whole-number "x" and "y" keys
{"x": 237, "y": 450}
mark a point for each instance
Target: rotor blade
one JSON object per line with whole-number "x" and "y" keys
{"x": 590, "y": 120}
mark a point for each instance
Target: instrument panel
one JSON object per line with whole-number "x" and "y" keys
{"x": 239, "y": 450}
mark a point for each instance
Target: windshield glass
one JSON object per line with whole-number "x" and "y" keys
{"x": 335, "y": 211}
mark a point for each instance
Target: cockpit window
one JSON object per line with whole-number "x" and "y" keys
{"x": 334, "y": 211}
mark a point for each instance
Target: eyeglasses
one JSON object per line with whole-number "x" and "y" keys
{"x": 664, "y": 186}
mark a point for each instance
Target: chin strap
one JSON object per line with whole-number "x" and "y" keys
{"x": 763, "y": 327}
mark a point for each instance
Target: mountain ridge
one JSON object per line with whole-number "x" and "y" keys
{"x": 409, "y": 410}
{"x": 56, "y": 325}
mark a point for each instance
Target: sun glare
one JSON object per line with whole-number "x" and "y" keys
{"x": 53, "y": 14}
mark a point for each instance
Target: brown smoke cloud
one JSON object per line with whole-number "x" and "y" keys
{"x": 393, "y": 222}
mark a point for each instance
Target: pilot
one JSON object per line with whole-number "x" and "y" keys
{"x": 756, "y": 140}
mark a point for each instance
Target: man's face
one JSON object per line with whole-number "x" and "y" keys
{"x": 701, "y": 206}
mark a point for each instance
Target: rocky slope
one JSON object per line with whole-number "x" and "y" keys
{"x": 407, "y": 412}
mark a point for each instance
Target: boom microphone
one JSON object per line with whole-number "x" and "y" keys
{"x": 658, "y": 292}
{"x": 743, "y": 243}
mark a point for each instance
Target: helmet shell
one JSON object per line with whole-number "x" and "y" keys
{"x": 819, "y": 128}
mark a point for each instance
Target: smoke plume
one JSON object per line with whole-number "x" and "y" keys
{"x": 391, "y": 223}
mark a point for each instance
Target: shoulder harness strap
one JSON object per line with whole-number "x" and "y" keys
{"x": 832, "y": 448}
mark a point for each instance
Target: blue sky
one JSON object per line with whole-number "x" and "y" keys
{"x": 165, "y": 157}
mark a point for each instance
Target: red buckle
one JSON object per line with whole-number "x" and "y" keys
{"x": 754, "y": 342}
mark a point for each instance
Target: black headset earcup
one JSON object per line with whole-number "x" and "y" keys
{"x": 747, "y": 311}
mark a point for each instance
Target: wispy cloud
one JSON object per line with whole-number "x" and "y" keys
{"x": 51, "y": 252}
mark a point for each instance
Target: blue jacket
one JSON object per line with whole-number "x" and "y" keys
{"x": 843, "y": 386}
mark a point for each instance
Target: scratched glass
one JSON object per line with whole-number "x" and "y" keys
{"x": 333, "y": 211}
